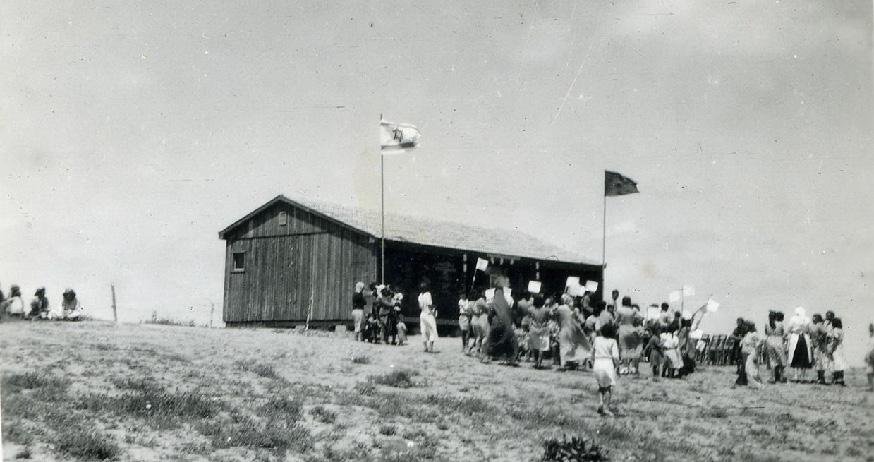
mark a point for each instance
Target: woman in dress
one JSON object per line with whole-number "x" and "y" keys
{"x": 574, "y": 347}
{"x": 629, "y": 338}
{"x": 775, "y": 336}
{"x": 501, "y": 342}
{"x": 427, "y": 318}
{"x": 836, "y": 351}
{"x": 800, "y": 354}
{"x": 605, "y": 360}
{"x": 358, "y": 304}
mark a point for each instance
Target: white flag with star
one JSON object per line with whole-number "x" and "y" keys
{"x": 397, "y": 137}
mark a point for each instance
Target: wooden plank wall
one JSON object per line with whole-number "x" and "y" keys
{"x": 287, "y": 265}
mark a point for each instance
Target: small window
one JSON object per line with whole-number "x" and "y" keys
{"x": 239, "y": 262}
{"x": 283, "y": 218}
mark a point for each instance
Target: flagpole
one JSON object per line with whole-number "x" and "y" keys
{"x": 604, "y": 243}
{"x": 382, "y": 215}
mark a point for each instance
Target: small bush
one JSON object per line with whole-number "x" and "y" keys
{"x": 321, "y": 414}
{"x": 89, "y": 445}
{"x": 360, "y": 359}
{"x": 364, "y": 388}
{"x": 398, "y": 379}
{"x": 715, "y": 412}
{"x": 572, "y": 450}
{"x": 282, "y": 407}
{"x": 262, "y": 370}
{"x": 24, "y": 453}
{"x": 387, "y": 430}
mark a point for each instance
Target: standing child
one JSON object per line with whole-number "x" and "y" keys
{"x": 605, "y": 360}
{"x": 464, "y": 315}
{"x": 654, "y": 351}
{"x": 751, "y": 347}
{"x": 836, "y": 351}
{"x": 554, "y": 328}
{"x": 402, "y": 332}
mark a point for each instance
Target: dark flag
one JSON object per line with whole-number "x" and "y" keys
{"x": 617, "y": 185}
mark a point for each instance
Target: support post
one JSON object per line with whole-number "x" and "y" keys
{"x": 114, "y": 308}
{"x": 382, "y": 217}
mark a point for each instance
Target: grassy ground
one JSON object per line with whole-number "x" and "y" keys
{"x": 145, "y": 393}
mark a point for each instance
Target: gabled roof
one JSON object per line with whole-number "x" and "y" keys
{"x": 402, "y": 228}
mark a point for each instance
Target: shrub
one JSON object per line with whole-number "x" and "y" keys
{"x": 387, "y": 429}
{"x": 364, "y": 388}
{"x": 89, "y": 445}
{"x": 399, "y": 379}
{"x": 715, "y": 412}
{"x": 571, "y": 450}
{"x": 360, "y": 359}
{"x": 24, "y": 453}
{"x": 262, "y": 370}
{"x": 323, "y": 415}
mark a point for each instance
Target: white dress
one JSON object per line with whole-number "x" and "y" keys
{"x": 427, "y": 321}
{"x": 605, "y": 352}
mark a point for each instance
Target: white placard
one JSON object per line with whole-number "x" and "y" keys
{"x": 572, "y": 281}
{"x": 534, "y": 287}
{"x": 482, "y": 264}
{"x": 674, "y": 296}
{"x": 576, "y": 291}
{"x": 712, "y": 305}
{"x": 592, "y": 286}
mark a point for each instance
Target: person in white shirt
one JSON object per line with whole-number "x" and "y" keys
{"x": 427, "y": 318}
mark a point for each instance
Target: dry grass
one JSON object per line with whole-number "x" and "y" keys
{"x": 91, "y": 391}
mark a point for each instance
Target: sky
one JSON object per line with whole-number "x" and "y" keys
{"x": 132, "y": 132}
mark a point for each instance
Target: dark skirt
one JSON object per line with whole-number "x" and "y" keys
{"x": 800, "y": 359}
{"x": 501, "y": 341}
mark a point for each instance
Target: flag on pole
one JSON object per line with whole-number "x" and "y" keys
{"x": 616, "y": 184}
{"x": 482, "y": 264}
{"x": 397, "y": 137}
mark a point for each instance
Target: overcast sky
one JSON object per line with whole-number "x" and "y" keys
{"x": 130, "y": 133}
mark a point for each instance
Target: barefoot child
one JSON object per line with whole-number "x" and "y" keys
{"x": 605, "y": 360}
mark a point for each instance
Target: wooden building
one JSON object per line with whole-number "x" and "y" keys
{"x": 293, "y": 259}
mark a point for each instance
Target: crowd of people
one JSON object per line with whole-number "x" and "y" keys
{"x": 801, "y": 344}
{"x": 39, "y": 307}
{"x": 568, "y": 332}
{"x": 383, "y": 322}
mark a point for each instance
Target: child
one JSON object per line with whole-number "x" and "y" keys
{"x": 402, "y": 332}
{"x": 836, "y": 351}
{"x": 869, "y": 357}
{"x": 672, "y": 362}
{"x": 371, "y": 328}
{"x": 751, "y": 348}
{"x": 554, "y": 349}
{"x": 522, "y": 339}
{"x": 654, "y": 351}
{"x": 605, "y": 360}
{"x": 464, "y": 315}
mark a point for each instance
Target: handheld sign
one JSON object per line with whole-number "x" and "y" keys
{"x": 712, "y": 305}
{"x": 534, "y": 287}
{"x": 490, "y": 294}
{"x": 482, "y": 264}
{"x": 592, "y": 286}
{"x": 572, "y": 281}
{"x": 576, "y": 291}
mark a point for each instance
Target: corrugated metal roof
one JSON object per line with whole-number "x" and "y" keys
{"x": 404, "y": 228}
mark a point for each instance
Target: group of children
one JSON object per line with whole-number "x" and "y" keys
{"x": 383, "y": 322}
{"x": 39, "y": 308}
{"x": 801, "y": 344}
